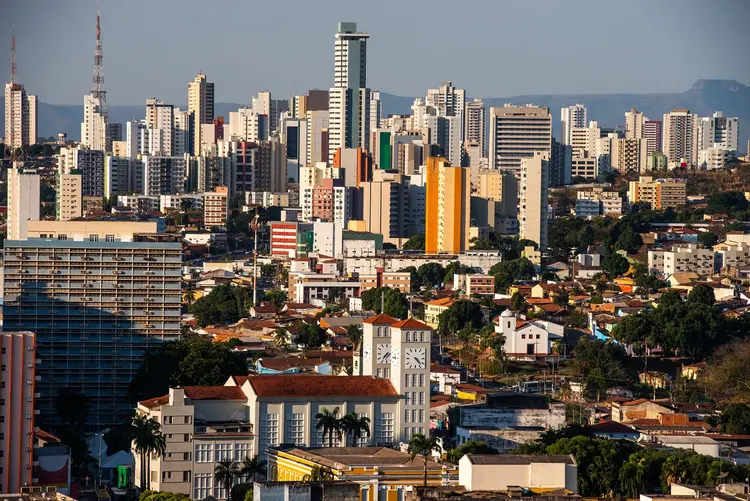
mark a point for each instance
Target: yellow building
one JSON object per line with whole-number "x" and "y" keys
{"x": 433, "y": 309}
{"x": 447, "y": 204}
{"x": 659, "y": 193}
{"x": 382, "y": 473}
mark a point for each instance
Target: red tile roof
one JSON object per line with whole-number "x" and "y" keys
{"x": 410, "y": 323}
{"x": 214, "y": 393}
{"x": 441, "y": 369}
{"x": 295, "y": 385}
{"x": 381, "y": 319}
{"x": 282, "y": 364}
{"x": 153, "y": 403}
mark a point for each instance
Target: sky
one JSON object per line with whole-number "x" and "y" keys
{"x": 491, "y": 48}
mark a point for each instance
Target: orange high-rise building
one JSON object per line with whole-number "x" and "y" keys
{"x": 447, "y": 198}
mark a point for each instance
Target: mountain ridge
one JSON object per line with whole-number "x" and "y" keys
{"x": 704, "y": 97}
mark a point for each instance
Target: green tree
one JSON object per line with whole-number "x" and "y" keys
{"x": 470, "y": 447}
{"x": 460, "y": 314}
{"x": 601, "y": 365}
{"x": 225, "y": 304}
{"x": 73, "y": 409}
{"x": 354, "y": 331}
{"x": 702, "y": 294}
{"x": 508, "y": 272}
{"x": 191, "y": 361}
{"x": 416, "y": 242}
{"x": 455, "y": 268}
{"x": 629, "y": 241}
{"x": 735, "y": 419}
{"x": 727, "y": 202}
{"x": 311, "y": 335}
{"x": 431, "y": 275}
{"x": 251, "y": 467}
{"x": 280, "y": 338}
{"x": 354, "y": 426}
{"x": 614, "y": 265}
{"x": 394, "y": 301}
{"x": 708, "y": 239}
{"x": 420, "y": 445}
{"x": 225, "y": 472}
{"x": 319, "y": 474}
{"x": 148, "y": 440}
{"x": 276, "y": 297}
{"x": 329, "y": 424}
{"x": 517, "y": 302}
{"x": 240, "y": 492}
{"x": 728, "y": 377}
{"x": 416, "y": 281}
{"x": 148, "y": 495}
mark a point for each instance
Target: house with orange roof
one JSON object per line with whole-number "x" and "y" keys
{"x": 433, "y": 309}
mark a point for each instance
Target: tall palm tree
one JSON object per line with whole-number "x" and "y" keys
{"x": 355, "y": 426}
{"x": 419, "y": 445}
{"x": 250, "y": 467}
{"x": 225, "y": 472}
{"x": 189, "y": 293}
{"x": 147, "y": 440}
{"x": 329, "y": 423}
{"x": 280, "y": 338}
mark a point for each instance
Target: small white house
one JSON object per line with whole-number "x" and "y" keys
{"x": 527, "y": 339}
{"x": 500, "y": 471}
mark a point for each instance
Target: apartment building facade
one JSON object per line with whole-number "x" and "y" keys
{"x": 216, "y": 207}
{"x": 658, "y": 193}
{"x": 516, "y": 132}
{"x": 682, "y": 259}
{"x": 97, "y": 295}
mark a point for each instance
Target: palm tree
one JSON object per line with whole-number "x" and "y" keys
{"x": 419, "y": 445}
{"x": 189, "y": 293}
{"x": 280, "y": 338}
{"x": 355, "y": 426}
{"x": 329, "y": 423}
{"x": 250, "y": 467}
{"x": 147, "y": 439}
{"x": 225, "y": 472}
{"x": 318, "y": 474}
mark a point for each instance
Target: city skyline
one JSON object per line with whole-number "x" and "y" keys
{"x": 284, "y": 69}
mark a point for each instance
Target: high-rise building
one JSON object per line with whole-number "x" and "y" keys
{"x": 18, "y": 361}
{"x": 317, "y": 137}
{"x": 385, "y": 206}
{"x": 94, "y": 125}
{"x": 534, "y": 198}
{"x": 447, "y": 207}
{"x": 658, "y": 193}
{"x": 634, "y": 122}
{"x": 118, "y": 175}
{"x": 445, "y": 132}
{"x": 570, "y": 118}
{"x": 328, "y": 201}
{"x": 216, "y": 207}
{"x": 680, "y": 137}
{"x": 164, "y": 175}
{"x": 476, "y": 125}
{"x": 652, "y": 134}
{"x": 517, "y": 132}
{"x": 97, "y": 295}
{"x": 161, "y": 116}
{"x": 353, "y": 108}
{"x": 718, "y": 131}
{"x": 628, "y": 154}
{"x": 69, "y": 197}
{"x": 23, "y": 200}
{"x": 561, "y": 168}
{"x": 20, "y": 116}
{"x": 89, "y": 162}
{"x": 448, "y": 101}
{"x": 200, "y": 109}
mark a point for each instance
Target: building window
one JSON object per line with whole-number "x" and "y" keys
{"x": 414, "y": 415}
{"x": 406, "y": 415}
{"x": 241, "y": 451}
{"x": 109, "y": 238}
{"x": 223, "y": 451}
{"x": 203, "y": 453}
{"x": 202, "y": 485}
{"x": 186, "y": 476}
{"x": 362, "y": 440}
{"x": 269, "y": 430}
{"x": 295, "y": 427}
{"x": 421, "y": 415}
{"x": 406, "y": 380}
{"x": 62, "y": 237}
{"x": 385, "y": 428}
{"x": 421, "y": 380}
{"x": 93, "y": 238}
{"x": 408, "y": 336}
{"x": 387, "y": 373}
{"x": 421, "y": 398}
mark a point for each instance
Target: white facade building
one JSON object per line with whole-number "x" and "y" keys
{"x": 475, "y": 132}
{"x": 680, "y": 137}
{"x": 94, "y": 125}
{"x": 570, "y": 118}
{"x": 634, "y": 123}
{"x": 517, "y": 132}
{"x": 20, "y": 116}
{"x": 534, "y": 196}
{"x": 683, "y": 259}
{"x": 23, "y": 200}
{"x": 527, "y": 339}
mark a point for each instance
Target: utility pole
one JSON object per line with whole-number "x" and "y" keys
{"x": 254, "y": 226}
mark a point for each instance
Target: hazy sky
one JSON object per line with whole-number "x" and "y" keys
{"x": 492, "y": 48}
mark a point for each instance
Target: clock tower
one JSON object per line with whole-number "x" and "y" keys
{"x": 410, "y": 375}
{"x": 375, "y": 351}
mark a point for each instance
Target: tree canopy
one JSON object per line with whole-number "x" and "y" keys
{"x": 507, "y": 272}
{"x": 459, "y": 315}
{"x": 394, "y": 302}
{"x": 191, "y": 361}
{"x": 225, "y": 304}
{"x": 614, "y": 265}
{"x": 431, "y": 274}
{"x": 601, "y": 365}
{"x": 415, "y": 242}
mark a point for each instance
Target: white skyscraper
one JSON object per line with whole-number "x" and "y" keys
{"x": 200, "y": 108}
{"x": 570, "y": 118}
{"x": 680, "y": 137}
{"x": 534, "y": 196}
{"x": 23, "y": 200}
{"x": 349, "y": 100}
{"x": 517, "y": 132}
{"x": 634, "y": 122}
{"x": 475, "y": 132}
{"x": 94, "y": 125}
{"x": 160, "y": 116}
{"x": 20, "y": 116}
{"x": 448, "y": 101}
{"x": 718, "y": 131}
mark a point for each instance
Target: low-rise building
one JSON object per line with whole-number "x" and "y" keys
{"x": 216, "y": 207}
{"x": 381, "y": 472}
{"x": 682, "y": 259}
{"x": 474, "y": 284}
{"x": 658, "y": 193}
{"x": 527, "y": 339}
{"x": 394, "y": 280}
{"x": 433, "y": 309}
{"x": 597, "y": 201}
{"x": 503, "y": 471}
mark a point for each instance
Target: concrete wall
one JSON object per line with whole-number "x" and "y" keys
{"x": 499, "y": 439}
{"x": 298, "y": 491}
{"x": 552, "y": 418}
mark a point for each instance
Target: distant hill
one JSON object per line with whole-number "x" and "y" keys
{"x": 703, "y": 98}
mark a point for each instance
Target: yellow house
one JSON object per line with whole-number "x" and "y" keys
{"x": 433, "y": 309}
{"x": 382, "y": 473}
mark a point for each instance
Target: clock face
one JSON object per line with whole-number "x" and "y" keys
{"x": 415, "y": 358}
{"x": 384, "y": 354}
{"x": 395, "y": 357}
{"x": 367, "y": 352}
